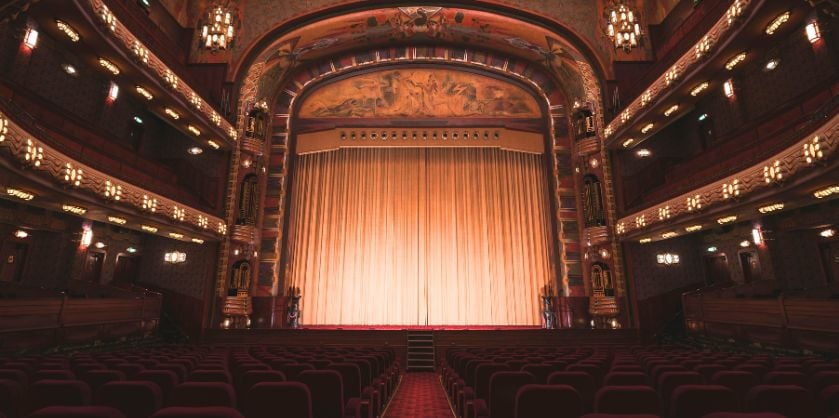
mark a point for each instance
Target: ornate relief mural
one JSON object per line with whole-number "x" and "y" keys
{"x": 420, "y": 92}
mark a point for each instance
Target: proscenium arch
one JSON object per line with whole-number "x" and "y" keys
{"x": 537, "y": 121}
{"x": 554, "y": 107}
{"x": 257, "y": 47}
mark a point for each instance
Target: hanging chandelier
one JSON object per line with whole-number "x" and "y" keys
{"x": 622, "y": 25}
{"x": 219, "y": 28}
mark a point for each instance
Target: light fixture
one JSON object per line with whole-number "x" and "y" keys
{"x": 757, "y": 235}
{"x": 711, "y": 249}
{"x": 73, "y": 176}
{"x": 671, "y": 110}
{"x": 813, "y": 151}
{"x": 770, "y": 208}
{"x": 745, "y": 243}
{"x": 693, "y": 228}
{"x": 145, "y": 93}
{"x": 828, "y": 191}
{"x": 813, "y": 32}
{"x": 34, "y": 154}
{"x": 219, "y": 28}
{"x": 76, "y": 210}
{"x": 20, "y": 194}
{"x": 195, "y": 150}
{"x": 667, "y": 259}
{"x": 702, "y": 117}
{"x": 21, "y": 234}
{"x": 138, "y": 120}
{"x": 147, "y": 228}
{"x": 113, "y": 92}
{"x": 70, "y": 70}
{"x": 622, "y": 25}
{"x": 171, "y": 79}
{"x": 734, "y": 61}
{"x": 628, "y": 142}
{"x": 68, "y": 30}
{"x": 99, "y": 244}
{"x": 776, "y": 23}
{"x": 172, "y": 114}
{"x": 176, "y": 235}
{"x": 197, "y": 240}
{"x": 699, "y": 88}
{"x": 728, "y": 88}
{"x": 131, "y": 250}
{"x": 828, "y": 233}
{"x": 593, "y": 162}
{"x": 194, "y": 130}
{"x": 109, "y": 66}
{"x": 645, "y": 240}
{"x": 87, "y": 236}
{"x": 726, "y": 219}
{"x": 117, "y": 220}
{"x": 30, "y": 38}
{"x": 149, "y": 204}
{"x": 669, "y": 234}
{"x": 648, "y": 127}
{"x": 771, "y": 64}
{"x": 643, "y": 153}
{"x": 140, "y": 52}
{"x": 213, "y": 144}
{"x": 112, "y": 190}
{"x": 174, "y": 257}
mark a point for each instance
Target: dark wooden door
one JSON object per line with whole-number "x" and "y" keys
{"x": 13, "y": 258}
{"x": 716, "y": 270}
{"x": 751, "y": 267}
{"x": 126, "y": 269}
{"x": 92, "y": 270}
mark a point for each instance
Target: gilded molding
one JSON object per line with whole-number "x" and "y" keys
{"x": 795, "y": 159}
{"x": 73, "y": 174}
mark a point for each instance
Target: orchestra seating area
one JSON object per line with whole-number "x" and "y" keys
{"x": 201, "y": 381}
{"x": 652, "y": 381}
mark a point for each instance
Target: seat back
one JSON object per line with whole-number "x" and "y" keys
{"x": 96, "y": 378}
{"x": 695, "y": 401}
{"x": 135, "y": 399}
{"x": 165, "y": 379}
{"x": 203, "y": 394}
{"x": 625, "y": 379}
{"x": 59, "y": 393}
{"x": 350, "y": 378}
{"x": 483, "y": 373}
{"x": 503, "y": 387}
{"x": 582, "y": 382}
{"x": 785, "y": 378}
{"x": 668, "y": 381}
{"x": 540, "y": 372}
{"x": 214, "y": 375}
{"x": 252, "y": 377}
{"x": 627, "y": 400}
{"x": 548, "y": 401}
{"x": 792, "y": 401}
{"x": 198, "y": 412}
{"x": 291, "y": 370}
{"x": 262, "y": 399}
{"x": 327, "y": 391}
{"x": 77, "y": 412}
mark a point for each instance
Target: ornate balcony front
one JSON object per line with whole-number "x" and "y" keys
{"x": 244, "y": 233}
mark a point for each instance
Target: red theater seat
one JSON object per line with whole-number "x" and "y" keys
{"x": 10, "y": 397}
{"x": 694, "y": 401}
{"x": 291, "y": 370}
{"x": 327, "y": 391}
{"x": 627, "y": 400}
{"x": 539, "y": 371}
{"x": 77, "y": 412}
{"x": 503, "y": 387}
{"x": 792, "y": 401}
{"x": 582, "y": 382}
{"x": 135, "y": 399}
{"x": 203, "y": 394}
{"x": 46, "y": 393}
{"x": 625, "y": 379}
{"x": 548, "y": 401}
{"x": 262, "y": 399}
{"x": 200, "y": 412}
{"x": 53, "y": 374}
{"x": 669, "y": 381}
{"x": 204, "y": 375}
{"x": 738, "y": 381}
{"x": 252, "y": 377}
{"x": 785, "y": 378}
{"x": 829, "y": 400}
{"x": 743, "y": 415}
{"x": 96, "y": 378}
{"x": 165, "y": 379}
{"x": 599, "y": 415}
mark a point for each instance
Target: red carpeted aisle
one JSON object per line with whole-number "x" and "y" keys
{"x": 420, "y": 395}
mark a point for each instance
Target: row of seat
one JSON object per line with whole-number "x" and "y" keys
{"x": 664, "y": 381}
{"x": 345, "y": 382}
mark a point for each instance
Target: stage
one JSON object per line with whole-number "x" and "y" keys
{"x": 444, "y": 337}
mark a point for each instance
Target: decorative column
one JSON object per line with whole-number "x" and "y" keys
{"x": 598, "y": 241}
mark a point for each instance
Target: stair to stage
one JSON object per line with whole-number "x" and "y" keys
{"x": 420, "y": 351}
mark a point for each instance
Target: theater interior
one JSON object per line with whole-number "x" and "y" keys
{"x": 392, "y": 209}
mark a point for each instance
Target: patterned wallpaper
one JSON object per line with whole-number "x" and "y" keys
{"x": 652, "y": 279}
{"x": 190, "y": 278}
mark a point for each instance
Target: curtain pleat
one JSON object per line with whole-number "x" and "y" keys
{"x": 420, "y": 236}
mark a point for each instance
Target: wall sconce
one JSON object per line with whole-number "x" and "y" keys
{"x": 828, "y": 233}
{"x": 813, "y": 32}
{"x": 21, "y": 234}
{"x": 668, "y": 259}
{"x": 757, "y": 235}
{"x": 30, "y": 39}
{"x": 745, "y": 243}
{"x": 728, "y": 88}
{"x": 711, "y": 249}
{"x": 99, "y": 245}
{"x": 175, "y": 257}
{"x": 87, "y": 236}
{"x": 113, "y": 92}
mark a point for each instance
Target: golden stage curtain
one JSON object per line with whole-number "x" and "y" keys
{"x": 420, "y": 236}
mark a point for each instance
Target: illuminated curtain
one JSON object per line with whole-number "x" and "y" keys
{"x": 420, "y": 236}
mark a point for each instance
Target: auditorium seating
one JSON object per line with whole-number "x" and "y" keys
{"x": 638, "y": 381}
{"x": 173, "y": 381}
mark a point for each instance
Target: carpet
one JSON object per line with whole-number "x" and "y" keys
{"x": 420, "y": 395}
